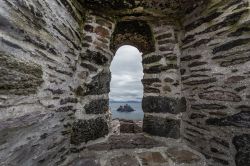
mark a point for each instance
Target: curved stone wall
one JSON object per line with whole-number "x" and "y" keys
{"x": 215, "y": 78}
{"x": 40, "y": 42}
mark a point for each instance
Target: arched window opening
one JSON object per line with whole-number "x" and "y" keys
{"x": 126, "y": 89}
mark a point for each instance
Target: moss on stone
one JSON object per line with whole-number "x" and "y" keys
{"x": 17, "y": 77}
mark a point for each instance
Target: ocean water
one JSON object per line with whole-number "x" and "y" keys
{"x": 135, "y": 115}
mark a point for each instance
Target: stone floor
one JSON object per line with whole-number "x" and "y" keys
{"x": 138, "y": 150}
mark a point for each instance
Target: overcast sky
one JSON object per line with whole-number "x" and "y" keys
{"x": 127, "y": 72}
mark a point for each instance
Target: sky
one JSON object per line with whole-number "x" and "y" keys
{"x": 127, "y": 72}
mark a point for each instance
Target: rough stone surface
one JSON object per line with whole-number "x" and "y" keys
{"x": 100, "y": 106}
{"x": 55, "y": 57}
{"x": 86, "y": 130}
{"x": 182, "y": 156}
{"x": 127, "y": 141}
{"x": 241, "y": 144}
{"x": 171, "y": 153}
{"x": 17, "y": 77}
{"x": 125, "y": 160}
{"x": 86, "y": 162}
{"x": 161, "y": 126}
{"x": 152, "y": 159}
{"x": 99, "y": 84}
{"x": 161, "y": 105}
{"x": 215, "y": 64}
{"x": 137, "y": 33}
{"x": 129, "y": 126}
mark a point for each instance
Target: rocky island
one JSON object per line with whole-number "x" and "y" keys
{"x": 125, "y": 108}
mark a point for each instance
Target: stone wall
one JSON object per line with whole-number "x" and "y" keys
{"x": 215, "y": 80}
{"x": 93, "y": 81}
{"x": 54, "y": 75}
{"x": 40, "y": 45}
{"x": 162, "y": 103}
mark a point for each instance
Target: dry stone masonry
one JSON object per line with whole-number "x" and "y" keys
{"x": 55, "y": 57}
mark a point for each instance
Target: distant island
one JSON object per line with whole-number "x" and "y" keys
{"x": 125, "y": 108}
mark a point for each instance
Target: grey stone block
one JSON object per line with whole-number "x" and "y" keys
{"x": 159, "y": 126}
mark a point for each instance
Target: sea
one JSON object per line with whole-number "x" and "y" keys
{"x": 136, "y": 115}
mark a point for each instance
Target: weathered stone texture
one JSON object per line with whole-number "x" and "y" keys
{"x": 215, "y": 63}
{"x": 161, "y": 126}
{"x": 182, "y": 156}
{"x": 241, "y": 119}
{"x": 54, "y": 78}
{"x": 129, "y": 126}
{"x": 95, "y": 57}
{"x": 125, "y": 160}
{"x": 100, "y": 84}
{"x": 153, "y": 104}
{"x": 127, "y": 141}
{"x": 40, "y": 41}
{"x": 154, "y": 158}
{"x": 86, "y": 130}
{"x": 17, "y": 77}
{"x": 100, "y": 106}
{"x": 137, "y": 33}
{"x": 242, "y": 143}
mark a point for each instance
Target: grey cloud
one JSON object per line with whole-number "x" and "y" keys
{"x": 127, "y": 72}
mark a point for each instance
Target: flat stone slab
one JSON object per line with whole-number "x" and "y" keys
{"x": 125, "y": 160}
{"x": 180, "y": 156}
{"x": 152, "y": 159}
{"x": 126, "y": 141}
{"x": 86, "y": 162}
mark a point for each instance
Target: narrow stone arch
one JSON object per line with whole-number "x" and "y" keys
{"x": 160, "y": 64}
{"x": 136, "y": 33}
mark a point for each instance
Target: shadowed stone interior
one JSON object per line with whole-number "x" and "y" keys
{"x": 137, "y": 33}
{"x": 55, "y": 57}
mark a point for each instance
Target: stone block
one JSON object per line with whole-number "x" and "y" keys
{"x": 164, "y": 36}
{"x": 151, "y": 90}
{"x": 180, "y": 156}
{"x": 99, "y": 106}
{"x": 100, "y": 84}
{"x": 103, "y": 22}
{"x": 153, "y": 69}
{"x": 89, "y": 28}
{"x": 125, "y": 160}
{"x": 241, "y": 119}
{"x": 94, "y": 57}
{"x": 152, "y": 159}
{"x": 68, "y": 100}
{"x": 86, "y": 162}
{"x": 242, "y": 145}
{"x": 160, "y": 126}
{"x": 220, "y": 96}
{"x": 102, "y": 31}
{"x": 150, "y": 81}
{"x": 151, "y": 59}
{"x": 159, "y": 104}
{"x": 129, "y": 126}
{"x": 86, "y": 130}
